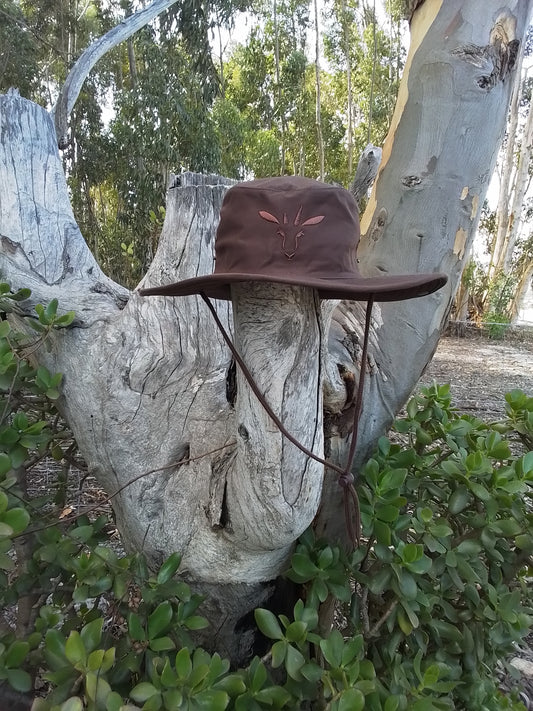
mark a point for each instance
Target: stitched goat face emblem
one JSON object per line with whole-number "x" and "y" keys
{"x": 290, "y": 234}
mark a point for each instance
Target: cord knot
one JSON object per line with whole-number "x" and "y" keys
{"x": 345, "y": 480}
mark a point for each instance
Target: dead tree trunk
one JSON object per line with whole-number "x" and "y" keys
{"x": 148, "y": 383}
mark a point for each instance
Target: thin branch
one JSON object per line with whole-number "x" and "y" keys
{"x": 85, "y": 512}
{"x": 384, "y": 617}
{"x": 77, "y": 75}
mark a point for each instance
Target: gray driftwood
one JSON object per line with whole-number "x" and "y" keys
{"x": 148, "y": 382}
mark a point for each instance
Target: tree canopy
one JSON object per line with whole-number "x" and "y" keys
{"x": 164, "y": 102}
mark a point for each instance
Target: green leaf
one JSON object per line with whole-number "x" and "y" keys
{"x": 469, "y": 547}
{"x": 278, "y": 651}
{"x": 382, "y": 532}
{"x": 379, "y": 581}
{"x": 294, "y": 661}
{"x": 351, "y": 700}
{"x": 259, "y": 673}
{"x": 169, "y": 568}
{"x": 268, "y": 623}
{"x": 525, "y": 542}
{"x": 183, "y": 663}
{"x": 101, "y": 660}
{"x": 527, "y": 462}
{"x": 232, "y": 684}
{"x": 479, "y": 490}
{"x": 91, "y": 634}
{"x": 407, "y": 584}
{"x": 82, "y": 533}
{"x": 72, "y": 704}
{"x": 296, "y": 632}
{"x": 275, "y": 696}
{"x": 412, "y": 408}
{"x": 55, "y": 648}
{"x": 97, "y": 688}
{"x": 411, "y": 614}
{"x": 420, "y": 566}
{"x": 506, "y": 527}
{"x": 312, "y": 672}
{"x": 5, "y": 463}
{"x": 425, "y": 514}
{"x": 75, "y": 649}
{"x": 392, "y": 479}
{"x": 388, "y": 514}
{"x": 114, "y": 702}
{"x": 135, "y": 628}
{"x": 159, "y": 620}
{"x": 172, "y": 699}
{"x": 411, "y": 552}
{"x": 325, "y": 558}
{"x": 143, "y": 691}
{"x": 459, "y": 500}
{"x": 65, "y": 320}
{"x": 440, "y": 529}
{"x": 16, "y": 653}
{"x": 304, "y": 567}
{"x": 162, "y": 644}
{"x": 19, "y": 679}
{"x": 332, "y": 648}
{"x": 5, "y": 530}
{"x": 431, "y": 676}
{"x": 212, "y": 700}
{"x": 196, "y": 622}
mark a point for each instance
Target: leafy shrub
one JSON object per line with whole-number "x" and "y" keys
{"x": 430, "y": 604}
{"x": 496, "y": 325}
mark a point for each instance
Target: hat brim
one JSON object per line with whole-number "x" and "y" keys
{"x": 386, "y": 288}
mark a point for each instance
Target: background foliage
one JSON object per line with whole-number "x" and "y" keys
{"x": 165, "y": 102}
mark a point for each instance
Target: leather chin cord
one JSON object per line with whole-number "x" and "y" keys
{"x": 346, "y": 478}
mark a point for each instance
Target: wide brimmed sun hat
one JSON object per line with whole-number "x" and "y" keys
{"x": 298, "y": 231}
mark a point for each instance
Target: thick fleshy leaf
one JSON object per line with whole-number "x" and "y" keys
{"x": 268, "y": 623}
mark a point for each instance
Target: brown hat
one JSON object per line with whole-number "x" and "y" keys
{"x": 294, "y": 230}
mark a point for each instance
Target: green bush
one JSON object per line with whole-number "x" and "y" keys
{"x": 428, "y": 606}
{"x": 496, "y": 325}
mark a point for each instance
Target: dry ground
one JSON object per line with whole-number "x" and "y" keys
{"x": 481, "y": 371}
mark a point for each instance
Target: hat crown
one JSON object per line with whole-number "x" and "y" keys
{"x": 289, "y": 226}
{"x": 297, "y": 231}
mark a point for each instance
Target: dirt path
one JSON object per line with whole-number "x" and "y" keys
{"x": 480, "y": 372}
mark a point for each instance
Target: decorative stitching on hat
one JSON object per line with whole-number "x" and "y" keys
{"x": 269, "y": 217}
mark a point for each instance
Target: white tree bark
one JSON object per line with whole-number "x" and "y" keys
{"x": 520, "y": 187}
{"x": 507, "y": 172}
{"x": 148, "y": 381}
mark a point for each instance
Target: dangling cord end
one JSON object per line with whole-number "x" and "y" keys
{"x": 353, "y": 522}
{"x": 346, "y": 480}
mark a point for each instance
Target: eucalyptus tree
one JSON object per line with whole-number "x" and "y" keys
{"x": 363, "y": 59}
{"x": 19, "y": 51}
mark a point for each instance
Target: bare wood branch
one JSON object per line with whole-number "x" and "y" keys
{"x": 366, "y": 171}
{"x": 77, "y": 75}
